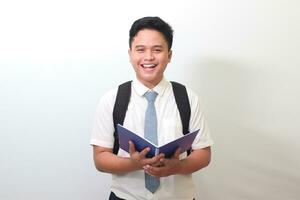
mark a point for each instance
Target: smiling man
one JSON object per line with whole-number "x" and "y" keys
{"x": 153, "y": 112}
{"x": 149, "y": 55}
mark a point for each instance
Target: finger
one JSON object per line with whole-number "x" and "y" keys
{"x": 162, "y": 160}
{"x": 154, "y": 171}
{"x": 157, "y": 164}
{"x": 131, "y": 148}
{"x": 158, "y": 157}
{"x": 161, "y": 155}
{"x": 147, "y": 169}
{"x": 154, "y": 161}
{"x": 144, "y": 152}
{"x": 177, "y": 153}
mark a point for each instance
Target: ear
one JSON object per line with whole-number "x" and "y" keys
{"x": 170, "y": 55}
{"x": 129, "y": 54}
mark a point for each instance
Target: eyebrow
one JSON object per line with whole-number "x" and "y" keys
{"x": 143, "y": 46}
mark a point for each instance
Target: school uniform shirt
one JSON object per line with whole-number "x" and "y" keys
{"x": 131, "y": 186}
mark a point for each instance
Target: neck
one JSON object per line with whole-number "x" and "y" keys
{"x": 151, "y": 84}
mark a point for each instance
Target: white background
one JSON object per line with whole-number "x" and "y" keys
{"x": 57, "y": 58}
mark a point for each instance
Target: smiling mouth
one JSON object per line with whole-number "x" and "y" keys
{"x": 149, "y": 65}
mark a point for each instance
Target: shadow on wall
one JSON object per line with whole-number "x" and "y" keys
{"x": 250, "y": 161}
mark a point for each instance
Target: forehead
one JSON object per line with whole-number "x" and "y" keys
{"x": 149, "y": 37}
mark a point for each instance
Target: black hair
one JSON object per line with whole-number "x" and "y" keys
{"x": 152, "y": 23}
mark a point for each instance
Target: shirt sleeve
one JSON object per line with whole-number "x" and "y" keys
{"x": 197, "y": 121}
{"x": 103, "y": 127}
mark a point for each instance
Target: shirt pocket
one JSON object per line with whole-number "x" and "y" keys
{"x": 171, "y": 129}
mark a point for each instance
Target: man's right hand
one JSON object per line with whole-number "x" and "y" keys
{"x": 139, "y": 158}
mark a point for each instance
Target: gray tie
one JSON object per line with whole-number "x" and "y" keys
{"x": 151, "y": 182}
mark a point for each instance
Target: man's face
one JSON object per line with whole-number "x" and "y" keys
{"x": 149, "y": 56}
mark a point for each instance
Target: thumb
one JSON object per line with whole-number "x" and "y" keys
{"x": 177, "y": 153}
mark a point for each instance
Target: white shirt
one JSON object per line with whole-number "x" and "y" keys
{"x": 131, "y": 186}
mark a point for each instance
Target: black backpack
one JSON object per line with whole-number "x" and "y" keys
{"x": 122, "y": 100}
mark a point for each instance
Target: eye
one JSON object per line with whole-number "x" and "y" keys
{"x": 157, "y": 50}
{"x": 140, "y": 50}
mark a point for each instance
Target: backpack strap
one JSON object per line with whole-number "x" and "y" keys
{"x": 183, "y": 105}
{"x": 120, "y": 108}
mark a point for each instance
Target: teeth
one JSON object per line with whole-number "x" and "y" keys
{"x": 148, "y": 65}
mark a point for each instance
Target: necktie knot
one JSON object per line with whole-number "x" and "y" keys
{"x": 151, "y": 96}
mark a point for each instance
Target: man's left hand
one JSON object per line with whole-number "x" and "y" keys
{"x": 166, "y": 168}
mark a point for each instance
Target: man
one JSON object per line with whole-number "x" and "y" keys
{"x": 150, "y": 52}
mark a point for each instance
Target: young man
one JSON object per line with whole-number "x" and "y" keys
{"x": 150, "y": 52}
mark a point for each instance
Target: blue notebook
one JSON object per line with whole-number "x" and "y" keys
{"x": 125, "y": 135}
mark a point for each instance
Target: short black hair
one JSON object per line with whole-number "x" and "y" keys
{"x": 152, "y": 23}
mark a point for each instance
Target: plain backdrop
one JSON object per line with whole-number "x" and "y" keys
{"x": 57, "y": 58}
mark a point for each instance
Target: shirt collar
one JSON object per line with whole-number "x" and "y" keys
{"x": 142, "y": 89}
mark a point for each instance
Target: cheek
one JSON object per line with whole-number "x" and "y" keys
{"x": 165, "y": 60}
{"x": 135, "y": 59}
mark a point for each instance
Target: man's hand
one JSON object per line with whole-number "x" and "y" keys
{"x": 167, "y": 167}
{"x": 197, "y": 160}
{"x": 139, "y": 159}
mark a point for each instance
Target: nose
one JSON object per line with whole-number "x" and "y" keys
{"x": 149, "y": 55}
